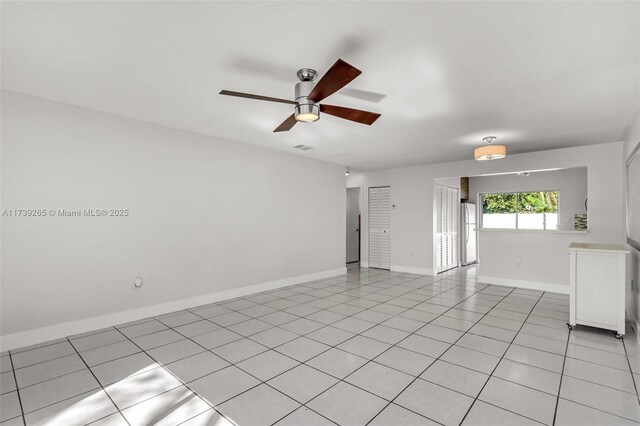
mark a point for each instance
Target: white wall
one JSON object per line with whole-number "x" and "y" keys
{"x": 570, "y": 183}
{"x": 206, "y": 215}
{"x": 412, "y": 221}
{"x": 452, "y": 182}
{"x": 633, "y": 260}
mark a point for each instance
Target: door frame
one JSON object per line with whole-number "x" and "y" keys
{"x": 359, "y": 237}
{"x": 359, "y": 224}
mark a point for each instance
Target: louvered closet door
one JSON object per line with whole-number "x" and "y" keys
{"x": 374, "y": 227}
{"x": 385, "y": 227}
{"x": 454, "y": 227}
{"x": 380, "y": 227}
{"x": 447, "y": 225}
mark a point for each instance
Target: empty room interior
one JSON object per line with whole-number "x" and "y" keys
{"x": 305, "y": 213}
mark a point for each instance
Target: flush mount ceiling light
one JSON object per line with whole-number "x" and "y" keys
{"x": 490, "y": 152}
{"x": 347, "y": 173}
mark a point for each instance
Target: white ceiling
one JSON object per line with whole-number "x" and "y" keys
{"x": 538, "y": 75}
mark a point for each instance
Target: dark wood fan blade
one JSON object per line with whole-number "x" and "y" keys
{"x": 357, "y": 115}
{"x": 287, "y": 124}
{"x": 339, "y": 75}
{"x": 258, "y": 97}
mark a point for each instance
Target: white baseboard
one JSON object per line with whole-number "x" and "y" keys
{"x": 44, "y": 334}
{"x": 364, "y": 264}
{"x": 412, "y": 270}
{"x": 529, "y": 285}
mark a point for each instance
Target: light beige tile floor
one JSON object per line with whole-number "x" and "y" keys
{"x": 369, "y": 347}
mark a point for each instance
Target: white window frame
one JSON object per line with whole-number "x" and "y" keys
{"x": 517, "y": 228}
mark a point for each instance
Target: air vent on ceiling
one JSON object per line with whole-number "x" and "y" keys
{"x": 303, "y": 147}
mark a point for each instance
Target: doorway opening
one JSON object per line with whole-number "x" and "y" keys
{"x": 488, "y": 219}
{"x": 353, "y": 226}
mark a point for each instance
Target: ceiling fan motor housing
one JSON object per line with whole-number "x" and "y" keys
{"x": 305, "y": 110}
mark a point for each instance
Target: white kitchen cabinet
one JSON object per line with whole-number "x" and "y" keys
{"x": 597, "y": 286}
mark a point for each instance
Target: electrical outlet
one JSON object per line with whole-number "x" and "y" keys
{"x": 137, "y": 282}
{"x": 518, "y": 263}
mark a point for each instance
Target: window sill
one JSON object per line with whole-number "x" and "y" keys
{"x": 536, "y": 231}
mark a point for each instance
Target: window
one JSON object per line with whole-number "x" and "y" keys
{"x": 520, "y": 210}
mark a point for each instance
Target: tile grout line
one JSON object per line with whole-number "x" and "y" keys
{"x": 596, "y": 383}
{"x": 304, "y": 363}
{"x": 72, "y": 354}
{"x": 265, "y": 382}
{"x": 626, "y": 353}
{"x": 42, "y": 362}
{"x": 475, "y": 293}
{"x": 490, "y": 374}
{"x": 177, "y": 378}
{"x": 576, "y": 344}
{"x": 588, "y": 381}
{"x": 564, "y": 361}
{"x": 440, "y": 356}
{"x": 335, "y": 346}
{"x": 99, "y": 384}
{"x": 600, "y": 410}
{"x": 24, "y": 421}
{"x": 230, "y": 363}
{"x": 341, "y": 380}
{"x": 501, "y": 358}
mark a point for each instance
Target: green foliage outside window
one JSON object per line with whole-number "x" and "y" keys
{"x": 538, "y": 202}
{"x": 527, "y": 202}
{"x": 498, "y": 203}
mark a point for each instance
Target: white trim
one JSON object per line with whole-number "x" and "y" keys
{"x": 533, "y": 231}
{"x": 412, "y": 270}
{"x": 44, "y": 334}
{"x": 530, "y": 285}
{"x": 364, "y": 264}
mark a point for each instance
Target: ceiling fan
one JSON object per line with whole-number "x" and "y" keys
{"x": 308, "y": 94}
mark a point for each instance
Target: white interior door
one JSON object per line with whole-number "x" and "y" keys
{"x": 447, "y": 227}
{"x": 380, "y": 227}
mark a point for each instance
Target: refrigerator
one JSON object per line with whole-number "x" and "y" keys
{"x": 468, "y": 234}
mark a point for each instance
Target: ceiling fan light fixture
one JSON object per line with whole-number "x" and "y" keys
{"x": 307, "y": 113}
{"x": 490, "y": 152}
{"x": 308, "y": 94}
